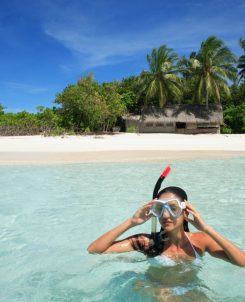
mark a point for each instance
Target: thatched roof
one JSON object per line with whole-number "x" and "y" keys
{"x": 184, "y": 114}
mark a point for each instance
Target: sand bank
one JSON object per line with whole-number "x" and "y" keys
{"x": 118, "y": 147}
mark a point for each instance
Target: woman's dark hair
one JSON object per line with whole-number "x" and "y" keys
{"x": 156, "y": 243}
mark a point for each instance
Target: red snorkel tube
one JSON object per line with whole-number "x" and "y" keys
{"x": 155, "y": 193}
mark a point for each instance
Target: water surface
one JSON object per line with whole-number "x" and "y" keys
{"x": 49, "y": 215}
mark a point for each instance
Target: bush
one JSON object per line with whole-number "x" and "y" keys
{"x": 88, "y": 105}
{"x": 226, "y": 130}
{"x": 71, "y": 132}
{"x": 234, "y": 118}
{"x": 21, "y": 123}
{"x": 57, "y": 132}
{"x": 132, "y": 129}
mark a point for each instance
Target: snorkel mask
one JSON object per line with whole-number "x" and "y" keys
{"x": 173, "y": 206}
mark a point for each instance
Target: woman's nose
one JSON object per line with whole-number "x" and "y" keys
{"x": 165, "y": 213}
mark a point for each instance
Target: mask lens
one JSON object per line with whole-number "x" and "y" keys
{"x": 174, "y": 206}
{"x": 157, "y": 209}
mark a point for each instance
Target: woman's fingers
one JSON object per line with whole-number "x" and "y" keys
{"x": 149, "y": 203}
{"x": 189, "y": 219}
{"x": 146, "y": 208}
{"x": 190, "y": 207}
{"x": 191, "y": 212}
{"x": 149, "y": 215}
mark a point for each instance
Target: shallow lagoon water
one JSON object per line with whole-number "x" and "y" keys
{"x": 49, "y": 215}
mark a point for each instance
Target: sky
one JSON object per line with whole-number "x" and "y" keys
{"x": 49, "y": 44}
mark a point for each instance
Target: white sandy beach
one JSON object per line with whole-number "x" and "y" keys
{"x": 118, "y": 147}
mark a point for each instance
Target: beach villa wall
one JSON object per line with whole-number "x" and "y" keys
{"x": 188, "y": 119}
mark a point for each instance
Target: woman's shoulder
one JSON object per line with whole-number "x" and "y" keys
{"x": 199, "y": 240}
{"x": 198, "y": 236}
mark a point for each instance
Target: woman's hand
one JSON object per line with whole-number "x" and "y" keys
{"x": 197, "y": 220}
{"x": 142, "y": 214}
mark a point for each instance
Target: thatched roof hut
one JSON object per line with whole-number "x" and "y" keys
{"x": 178, "y": 119}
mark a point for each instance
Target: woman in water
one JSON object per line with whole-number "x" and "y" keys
{"x": 174, "y": 243}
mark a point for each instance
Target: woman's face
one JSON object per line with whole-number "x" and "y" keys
{"x": 167, "y": 221}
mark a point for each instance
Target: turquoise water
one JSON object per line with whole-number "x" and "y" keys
{"x": 49, "y": 215}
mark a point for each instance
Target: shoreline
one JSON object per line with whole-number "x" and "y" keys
{"x": 36, "y": 158}
{"x": 123, "y": 147}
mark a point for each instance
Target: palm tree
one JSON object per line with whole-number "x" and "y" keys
{"x": 161, "y": 81}
{"x": 241, "y": 62}
{"x": 212, "y": 66}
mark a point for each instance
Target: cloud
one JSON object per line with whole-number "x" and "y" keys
{"x": 27, "y": 88}
{"x": 97, "y": 50}
{"x": 94, "y": 41}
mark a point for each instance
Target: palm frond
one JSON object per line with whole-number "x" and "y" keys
{"x": 242, "y": 43}
{"x": 200, "y": 87}
{"x": 215, "y": 88}
{"x": 162, "y": 95}
{"x": 151, "y": 90}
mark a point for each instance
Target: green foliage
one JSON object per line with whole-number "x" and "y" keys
{"x": 87, "y": 130}
{"x": 21, "y": 123}
{"x": 241, "y": 62}
{"x": 46, "y": 122}
{"x": 237, "y": 96}
{"x": 162, "y": 81}
{"x": 1, "y": 109}
{"x": 49, "y": 121}
{"x": 115, "y": 106}
{"x": 226, "y": 130}
{"x": 88, "y": 105}
{"x": 234, "y": 117}
{"x": 234, "y": 110}
{"x": 131, "y": 94}
{"x": 70, "y": 132}
{"x": 210, "y": 68}
{"x": 132, "y": 129}
{"x": 242, "y": 43}
{"x": 56, "y": 131}
{"x": 81, "y": 106}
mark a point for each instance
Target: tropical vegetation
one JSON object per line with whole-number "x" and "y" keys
{"x": 212, "y": 74}
{"x": 241, "y": 62}
{"x": 161, "y": 81}
{"x": 210, "y": 69}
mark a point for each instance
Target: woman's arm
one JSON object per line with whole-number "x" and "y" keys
{"x": 215, "y": 244}
{"x": 221, "y": 247}
{"x": 106, "y": 243}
